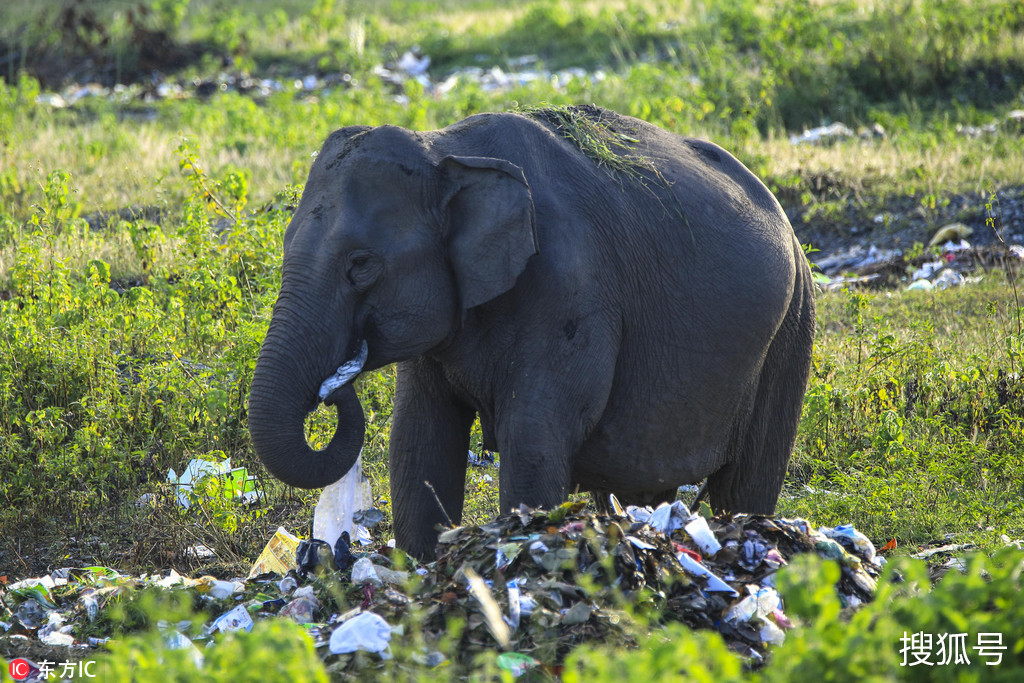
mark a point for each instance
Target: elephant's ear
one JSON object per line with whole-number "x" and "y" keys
{"x": 492, "y": 235}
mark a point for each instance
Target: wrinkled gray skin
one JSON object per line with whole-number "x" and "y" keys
{"x": 612, "y": 335}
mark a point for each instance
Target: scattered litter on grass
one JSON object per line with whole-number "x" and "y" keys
{"x": 1012, "y": 124}
{"x": 411, "y": 66}
{"x": 857, "y": 257}
{"x": 364, "y": 631}
{"x": 534, "y": 584}
{"x": 234, "y": 483}
{"x": 822, "y": 135}
{"x": 949, "y": 548}
{"x": 278, "y": 557}
{"x": 871, "y": 266}
{"x": 485, "y": 459}
{"x": 832, "y": 133}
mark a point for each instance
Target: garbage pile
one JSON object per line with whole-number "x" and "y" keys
{"x": 949, "y": 261}
{"x": 558, "y": 578}
{"x": 533, "y": 584}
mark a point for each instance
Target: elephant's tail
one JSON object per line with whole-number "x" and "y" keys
{"x": 763, "y": 444}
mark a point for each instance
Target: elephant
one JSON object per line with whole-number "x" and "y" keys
{"x": 626, "y": 309}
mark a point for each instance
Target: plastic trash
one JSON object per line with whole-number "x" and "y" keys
{"x": 516, "y": 663}
{"x": 669, "y": 517}
{"x": 312, "y": 554}
{"x": 753, "y": 553}
{"x": 200, "y": 552}
{"x": 345, "y": 373}
{"x": 514, "y": 613}
{"x": 485, "y": 459}
{"x": 241, "y": 484}
{"x": 639, "y": 514}
{"x": 234, "y": 620}
{"x": 90, "y": 605}
{"x": 196, "y": 469}
{"x": 822, "y": 135}
{"x": 430, "y": 659}
{"x": 851, "y": 539}
{"x": 217, "y": 589}
{"x": 927, "y": 270}
{"x": 703, "y": 536}
{"x": 173, "y": 578}
{"x": 537, "y": 551}
{"x": 278, "y": 556}
{"x": 175, "y": 640}
{"x": 54, "y": 622}
{"x": 505, "y": 554}
{"x": 35, "y": 589}
{"x": 577, "y": 614}
{"x": 306, "y": 592}
{"x": 920, "y": 285}
{"x": 412, "y": 64}
{"x": 714, "y": 583}
{"x": 643, "y": 545}
{"x": 949, "y": 278}
{"x": 772, "y": 634}
{"x": 31, "y": 614}
{"x": 953, "y": 231}
{"x": 287, "y": 585}
{"x": 339, "y": 502}
{"x": 301, "y": 610}
{"x": 363, "y": 536}
{"x": 760, "y": 602}
{"x": 366, "y": 631}
{"x": 343, "y": 557}
{"x": 953, "y": 247}
{"x": 369, "y": 518}
{"x": 56, "y": 638}
{"x": 363, "y": 572}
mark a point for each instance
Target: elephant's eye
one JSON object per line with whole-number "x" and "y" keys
{"x": 363, "y": 269}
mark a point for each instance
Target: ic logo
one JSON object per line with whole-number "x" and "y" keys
{"x": 19, "y": 669}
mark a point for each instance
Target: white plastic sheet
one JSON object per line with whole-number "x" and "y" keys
{"x": 338, "y": 502}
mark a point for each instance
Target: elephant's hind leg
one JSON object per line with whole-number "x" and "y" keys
{"x": 759, "y": 453}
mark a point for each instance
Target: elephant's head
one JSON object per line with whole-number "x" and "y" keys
{"x": 391, "y": 242}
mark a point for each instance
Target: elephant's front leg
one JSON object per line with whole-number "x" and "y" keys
{"x": 429, "y": 441}
{"x": 542, "y": 425}
{"x": 536, "y": 469}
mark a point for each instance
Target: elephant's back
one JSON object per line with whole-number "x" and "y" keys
{"x": 678, "y": 234}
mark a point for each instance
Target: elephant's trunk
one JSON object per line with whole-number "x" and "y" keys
{"x": 291, "y": 367}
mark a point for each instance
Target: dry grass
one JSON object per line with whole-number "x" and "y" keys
{"x": 908, "y": 164}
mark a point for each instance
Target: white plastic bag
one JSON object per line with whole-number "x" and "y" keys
{"x": 339, "y": 501}
{"x": 363, "y": 571}
{"x": 365, "y": 631}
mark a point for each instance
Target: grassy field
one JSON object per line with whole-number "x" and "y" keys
{"x": 128, "y": 338}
